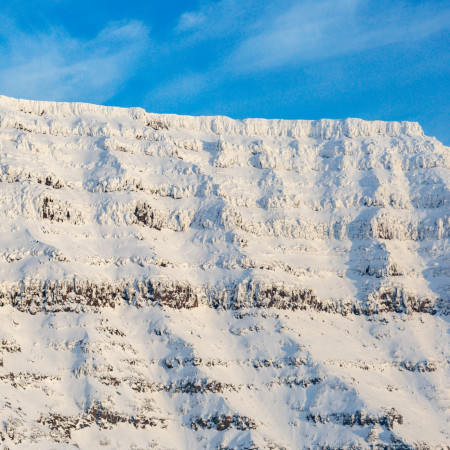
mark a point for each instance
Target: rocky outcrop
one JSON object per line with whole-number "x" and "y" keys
{"x": 79, "y": 295}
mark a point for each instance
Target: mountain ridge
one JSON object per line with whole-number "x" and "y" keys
{"x": 325, "y": 128}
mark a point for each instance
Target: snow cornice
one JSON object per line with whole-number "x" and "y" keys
{"x": 315, "y": 129}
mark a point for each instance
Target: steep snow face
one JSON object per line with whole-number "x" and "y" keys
{"x": 353, "y": 214}
{"x": 201, "y": 378}
{"x": 310, "y": 259}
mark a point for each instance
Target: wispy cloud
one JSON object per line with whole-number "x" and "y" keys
{"x": 191, "y": 21}
{"x": 315, "y": 30}
{"x": 216, "y": 20}
{"x": 57, "y": 66}
{"x": 290, "y": 34}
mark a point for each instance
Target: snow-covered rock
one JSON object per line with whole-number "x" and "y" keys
{"x": 207, "y": 282}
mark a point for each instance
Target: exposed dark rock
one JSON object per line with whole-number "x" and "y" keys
{"x": 360, "y": 418}
{"x": 223, "y": 422}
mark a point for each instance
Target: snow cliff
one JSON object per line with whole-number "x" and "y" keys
{"x": 275, "y": 283}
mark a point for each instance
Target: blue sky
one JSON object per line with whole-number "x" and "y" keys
{"x": 288, "y": 59}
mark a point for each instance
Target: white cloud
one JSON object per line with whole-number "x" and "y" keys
{"x": 56, "y": 66}
{"x": 218, "y": 19}
{"x": 263, "y": 36}
{"x": 267, "y": 35}
{"x": 190, "y": 20}
{"x": 314, "y": 30}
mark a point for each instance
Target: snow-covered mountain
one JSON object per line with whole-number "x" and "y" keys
{"x": 204, "y": 282}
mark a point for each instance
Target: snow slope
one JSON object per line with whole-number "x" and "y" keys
{"x": 202, "y": 282}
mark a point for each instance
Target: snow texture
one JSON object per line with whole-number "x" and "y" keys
{"x": 204, "y": 282}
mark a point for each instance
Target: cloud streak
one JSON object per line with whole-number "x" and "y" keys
{"x": 296, "y": 34}
{"x": 323, "y": 29}
{"x": 56, "y": 66}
